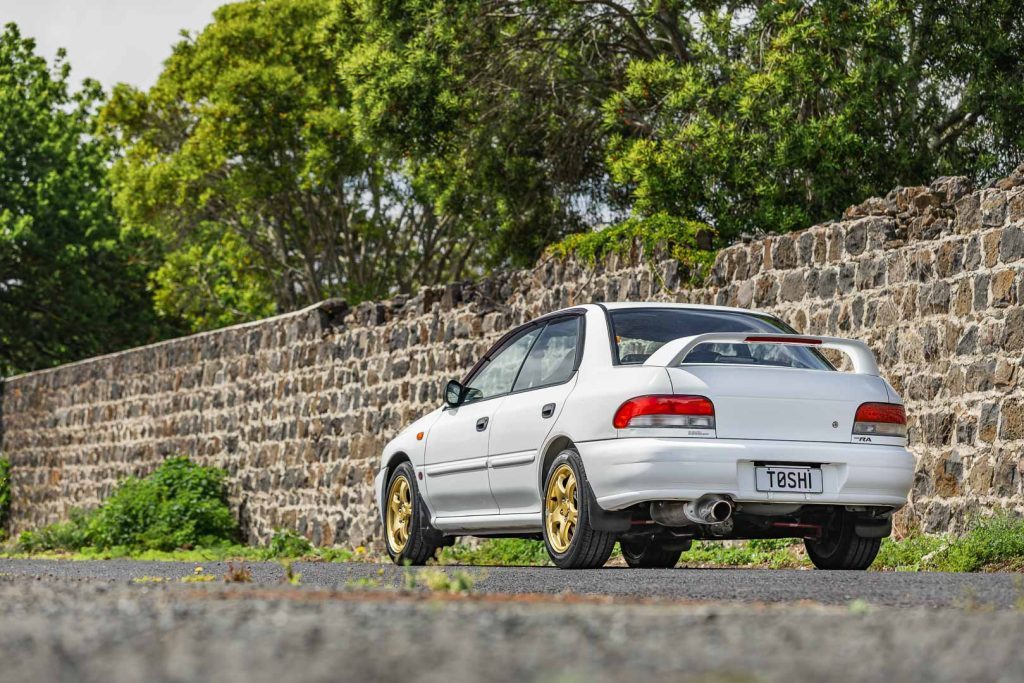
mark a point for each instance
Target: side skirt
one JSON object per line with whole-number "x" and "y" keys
{"x": 490, "y": 524}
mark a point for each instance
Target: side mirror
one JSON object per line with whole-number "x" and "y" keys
{"x": 454, "y": 394}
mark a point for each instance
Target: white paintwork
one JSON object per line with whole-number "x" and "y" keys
{"x": 517, "y": 433}
{"x": 490, "y": 482}
{"x": 455, "y": 462}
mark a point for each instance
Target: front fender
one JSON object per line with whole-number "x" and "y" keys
{"x": 405, "y": 446}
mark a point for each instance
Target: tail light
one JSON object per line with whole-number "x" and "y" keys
{"x": 694, "y": 412}
{"x": 880, "y": 419}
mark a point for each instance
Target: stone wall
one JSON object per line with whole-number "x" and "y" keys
{"x": 297, "y": 407}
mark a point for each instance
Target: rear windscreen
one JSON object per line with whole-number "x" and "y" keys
{"x": 639, "y": 332}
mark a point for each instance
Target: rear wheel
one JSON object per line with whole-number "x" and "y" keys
{"x": 405, "y": 535}
{"x": 840, "y": 547}
{"x": 648, "y": 554}
{"x": 570, "y": 540}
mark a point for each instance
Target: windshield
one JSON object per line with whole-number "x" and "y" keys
{"x": 639, "y": 332}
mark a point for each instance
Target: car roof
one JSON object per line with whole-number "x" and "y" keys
{"x": 625, "y": 305}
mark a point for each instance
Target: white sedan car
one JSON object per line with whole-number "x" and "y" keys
{"x": 651, "y": 425}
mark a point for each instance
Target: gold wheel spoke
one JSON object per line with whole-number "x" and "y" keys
{"x": 561, "y": 508}
{"x": 399, "y": 513}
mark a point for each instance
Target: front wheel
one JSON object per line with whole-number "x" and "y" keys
{"x": 570, "y": 540}
{"x": 840, "y": 547}
{"x": 405, "y": 535}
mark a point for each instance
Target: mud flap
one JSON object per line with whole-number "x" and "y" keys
{"x": 606, "y": 520}
{"x": 873, "y": 528}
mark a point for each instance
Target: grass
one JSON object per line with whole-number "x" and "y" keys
{"x": 499, "y": 552}
{"x": 769, "y": 553}
{"x": 992, "y": 544}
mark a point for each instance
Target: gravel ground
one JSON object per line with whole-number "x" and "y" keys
{"x": 897, "y": 589}
{"x": 88, "y": 622}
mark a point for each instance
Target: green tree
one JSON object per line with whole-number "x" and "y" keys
{"x": 480, "y": 104}
{"x": 243, "y": 162}
{"x": 69, "y": 287}
{"x": 780, "y": 114}
{"x": 747, "y": 116}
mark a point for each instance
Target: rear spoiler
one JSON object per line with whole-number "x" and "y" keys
{"x": 673, "y": 353}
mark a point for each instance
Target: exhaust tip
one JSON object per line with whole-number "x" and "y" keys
{"x": 721, "y": 511}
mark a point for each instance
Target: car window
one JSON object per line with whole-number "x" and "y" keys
{"x": 639, "y": 332}
{"x": 553, "y": 357}
{"x": 498, "y": 373}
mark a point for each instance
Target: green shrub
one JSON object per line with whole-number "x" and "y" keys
{"x": 180, "y": 505}
{"x": 5, "y": 495}
{"x": 69, "y": 535}
{"x": 287, "y": 544}
{"x": 907, "y": 554}
{"x": 991, "y": 542}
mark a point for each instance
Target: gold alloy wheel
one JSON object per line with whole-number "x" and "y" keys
{"x": 562, "y": 508}
{"x": 399, "y": 513}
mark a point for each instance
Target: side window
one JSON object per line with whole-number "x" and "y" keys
{"x": 552, "y": 358}
{"x": 498, "y": 374}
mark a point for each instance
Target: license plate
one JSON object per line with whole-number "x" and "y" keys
{"x": 788, "y": 479}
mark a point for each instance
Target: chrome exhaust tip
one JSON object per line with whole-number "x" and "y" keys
{"x": 720, "y": 511}
{"x": 710, "y": 509}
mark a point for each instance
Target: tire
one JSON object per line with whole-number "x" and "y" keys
{"x": 570, "y": 540}
{"x": 840, "y": 547}
{"x": 408, "y": 540}
{"x": 648, "y": 555}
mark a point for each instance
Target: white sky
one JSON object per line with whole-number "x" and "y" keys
{"x": 110, "y": 40}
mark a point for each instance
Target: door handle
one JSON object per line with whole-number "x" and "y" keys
{"x": 547, "y": 411}
{"x": 481, "y": 424}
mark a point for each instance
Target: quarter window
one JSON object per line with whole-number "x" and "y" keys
{"x": 498, "y": 374}
{"x": 553, "y": 358}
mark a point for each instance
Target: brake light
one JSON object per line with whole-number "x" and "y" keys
{"x": 880, "y": 419}
{"x": 695, "y": 412}
{"x": 770, "y": 339}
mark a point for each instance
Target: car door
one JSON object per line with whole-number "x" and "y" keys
{"x": 455, "y": 456}
{"x": 525, "y": 417}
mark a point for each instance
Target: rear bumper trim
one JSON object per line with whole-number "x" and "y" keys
{"x": 623, "y": 472}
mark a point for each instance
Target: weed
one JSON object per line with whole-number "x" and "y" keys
{"x": 288, "y": 544}
{"x": 1018, "y": 592}
{"x": 198, "y": 578}
{"x": 439, "y": 581}
{"x": 363, "y": 582}
{"x": 150, "y": 579}
{"x": 970, "y": 602}
{"x": 859, "y": 606}
{"x": 237, "y": 573}
{"x": 290, "y": 575}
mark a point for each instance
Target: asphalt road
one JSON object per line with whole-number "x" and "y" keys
{"x": 89, "y": 621}
{"x": 896, "y": 589}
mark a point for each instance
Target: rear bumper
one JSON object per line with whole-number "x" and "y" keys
{"x": 623, "y": 472}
